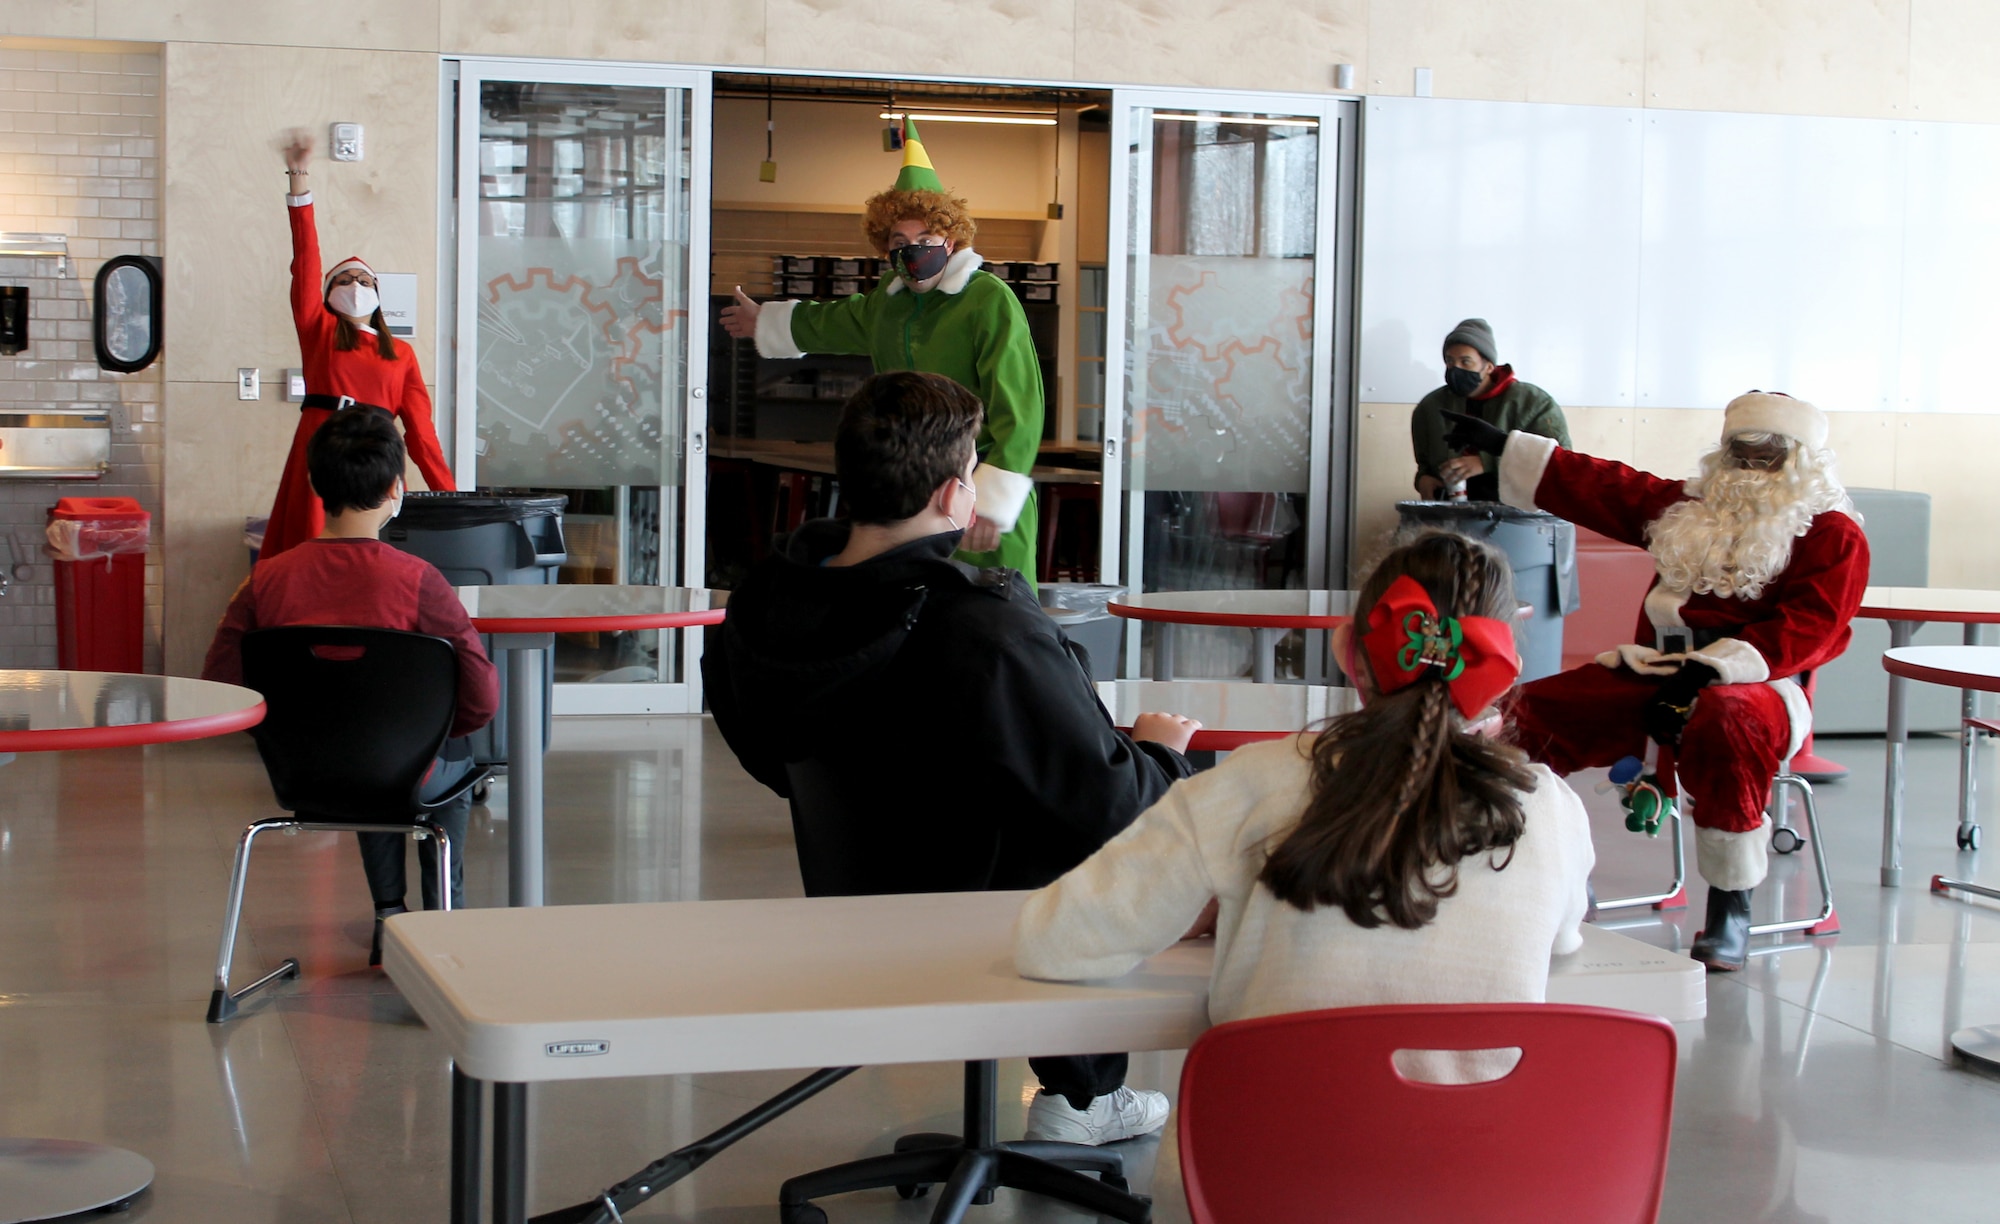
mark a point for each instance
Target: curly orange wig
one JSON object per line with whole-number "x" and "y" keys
{"x": 943, "y": 215}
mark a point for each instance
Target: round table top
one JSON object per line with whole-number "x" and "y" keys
{"x": 585, "y": 608}
{"x": 56, "y": 711}
{"x": 1931, "y": 604}
{"x": 1232, "y": 712}
{"x": 1960, "y": 667}
{"x": 1243, "y": 609}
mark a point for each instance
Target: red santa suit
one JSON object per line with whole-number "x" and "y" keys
{"x": 361, "y": 374}
{"x": 1742, "y": 726}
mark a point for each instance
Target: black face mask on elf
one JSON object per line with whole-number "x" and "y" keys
{"x": 919, "y": 262}
{"x": 1462, "y": 381}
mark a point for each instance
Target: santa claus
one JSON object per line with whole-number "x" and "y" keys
{"x": 1760, "y": 564}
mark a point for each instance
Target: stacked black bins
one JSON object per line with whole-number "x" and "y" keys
{"x": 487, "y": 538}
{"x": 1540, "y": 547}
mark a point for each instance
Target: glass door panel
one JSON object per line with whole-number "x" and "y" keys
{"x": 1225, "y": 395}
{"x": 582, "y": 229}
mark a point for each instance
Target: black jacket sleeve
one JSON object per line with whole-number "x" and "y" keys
{"x": 1043, "y": 735}
{"x": 753, "y": 745}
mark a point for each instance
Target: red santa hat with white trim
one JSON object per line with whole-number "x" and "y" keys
{"x": 1776, "y": 413}
{"x": 352, "y": 261}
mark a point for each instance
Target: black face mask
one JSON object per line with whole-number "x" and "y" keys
{"x": 919, "y": 263}
{"x": 1462, "y": 381}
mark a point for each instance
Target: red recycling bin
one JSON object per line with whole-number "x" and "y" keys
{"x": 100, "y": 548}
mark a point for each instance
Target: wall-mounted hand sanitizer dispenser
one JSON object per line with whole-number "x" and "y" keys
{"x": 13, "y": 319}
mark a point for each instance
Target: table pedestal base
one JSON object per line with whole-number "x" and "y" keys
{"x": 1978, "y": 1049}
{"x": 45, "y": 1179}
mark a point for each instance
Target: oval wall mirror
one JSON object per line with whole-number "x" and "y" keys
{"x": 126, "y": 323}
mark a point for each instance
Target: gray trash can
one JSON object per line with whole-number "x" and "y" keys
{"x": 487, "y": 538}
{"x": 1540, "y": 548}
{"x": 1079, "y": 608}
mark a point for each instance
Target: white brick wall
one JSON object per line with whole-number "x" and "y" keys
{"x": 79, "y": 155}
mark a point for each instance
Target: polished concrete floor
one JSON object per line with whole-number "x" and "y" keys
{"x": 1816, "y": 1090}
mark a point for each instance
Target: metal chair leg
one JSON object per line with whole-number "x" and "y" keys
{"x": 1676, "y": 895}
{"x": 1826, "y": 922}
{"x": 443, "y": 861}
{"x": 222, "y": 1003}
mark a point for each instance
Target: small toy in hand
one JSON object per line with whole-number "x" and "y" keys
{"x": 1646, "y": 802}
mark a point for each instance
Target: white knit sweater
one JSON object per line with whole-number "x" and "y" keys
{"x": 1209, "y": 837}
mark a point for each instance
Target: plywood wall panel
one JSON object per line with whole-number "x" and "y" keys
{"x": 665, "y": 31}
{"x": 50, "y": 18}
{"x": 1244, "y": 44}
{"x": 1948, "y": 456}
{"x": 1796, "y": 57}
{"x": 1951, "y": 60}
{"x": 1670, "y": 442}
{"x": 1608, "y": 433}
{"x": 1384, "y": 472}
{"x": 1865, "y": 443}
{"x": 384, "y": 25}
{"x": 1587, "y": 51}
{"x": 1008, "y": 39}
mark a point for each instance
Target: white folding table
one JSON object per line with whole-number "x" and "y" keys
{"x": 521, "y": 996}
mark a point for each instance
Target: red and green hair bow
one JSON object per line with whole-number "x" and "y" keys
{"x": 1407, "y": 640}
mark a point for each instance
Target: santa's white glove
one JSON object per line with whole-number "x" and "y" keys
{"x": 1642, "y": 659}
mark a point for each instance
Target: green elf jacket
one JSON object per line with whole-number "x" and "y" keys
{"x": 1514, "y": 405}
{"x": 970, "y": 328}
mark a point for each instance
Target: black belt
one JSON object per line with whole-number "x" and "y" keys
{"x": 338, "y": 403}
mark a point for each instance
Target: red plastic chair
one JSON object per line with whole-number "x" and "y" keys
{"x": 1303, "y": 1119}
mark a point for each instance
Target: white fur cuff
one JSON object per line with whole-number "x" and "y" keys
{"x": 1798, "y": 713}
{"x": 1001, "y": 494}
{"x": 1522, "y": 463}
{"x": 1732, "y": 860}
{"x": 774, "y": 330}
{"x": 1735, "y": 661}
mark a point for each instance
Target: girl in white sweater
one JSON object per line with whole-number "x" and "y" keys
{"x": 1397, "y": 856}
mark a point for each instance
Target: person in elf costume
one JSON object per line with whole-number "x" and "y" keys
{"x": 351, "y": 363}
{"x": 1761, "y": 563}
{"x": 938, "y": 313}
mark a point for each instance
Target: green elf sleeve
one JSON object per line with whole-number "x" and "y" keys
{"x": 793, "y": 328}
{"x": 1009, "y": 382}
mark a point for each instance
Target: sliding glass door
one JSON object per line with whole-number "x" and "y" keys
{"x": 1226, "y": 451}
{"x": 581, "y": 234}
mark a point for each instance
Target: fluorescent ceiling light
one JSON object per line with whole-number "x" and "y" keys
{"x": 954, "y": 117}
{"x": 1250, "y": 119}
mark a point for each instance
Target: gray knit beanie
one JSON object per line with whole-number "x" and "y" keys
{"x": 1478, "y": 334}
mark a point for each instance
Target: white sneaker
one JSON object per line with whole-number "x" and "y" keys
{"x": 1119, "y": 1114}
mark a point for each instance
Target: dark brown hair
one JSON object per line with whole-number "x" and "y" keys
{"x": 1400, "y": 792}
{"x": 901, "y": 436}
{"x": 346, "y": 336}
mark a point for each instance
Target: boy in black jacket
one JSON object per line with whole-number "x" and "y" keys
{"x": 939, "y": 695}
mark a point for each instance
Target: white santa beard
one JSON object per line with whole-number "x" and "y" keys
{"x": 1735, "y": 539}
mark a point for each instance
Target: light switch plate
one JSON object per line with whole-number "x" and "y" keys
{"x": 295, "y": 385}
{"x": 248, "y": 383}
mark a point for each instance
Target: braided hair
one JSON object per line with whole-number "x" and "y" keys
{"x": 1400, "y": 791}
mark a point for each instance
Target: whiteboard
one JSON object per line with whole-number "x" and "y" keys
{"x": 1525, "y": 215}
{"x": 1772, "y": 258}
{"x": 1678, "y": 258}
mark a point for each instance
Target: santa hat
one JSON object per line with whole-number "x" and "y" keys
{"x": 353, "y": 261}
{"x": 917, "y": 173}
{"x": 1776, "y": 413}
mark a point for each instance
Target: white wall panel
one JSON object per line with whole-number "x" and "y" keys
{"x": 1772, "y": 257}
{"x": 1951, "y": 269}
{"x": 1527, "y": 215}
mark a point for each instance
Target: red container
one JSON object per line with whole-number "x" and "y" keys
{"x": 101, "y": 601}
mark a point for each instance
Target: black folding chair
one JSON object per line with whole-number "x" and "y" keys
{"x": 354, "y": 718}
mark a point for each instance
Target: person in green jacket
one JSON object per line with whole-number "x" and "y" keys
{"x": 1476, "y": 384}
{"x": 937, "y": 312}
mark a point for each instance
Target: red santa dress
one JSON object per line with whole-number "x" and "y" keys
{"x": 361, "y": 374}
{"x": 1753, "y": 717}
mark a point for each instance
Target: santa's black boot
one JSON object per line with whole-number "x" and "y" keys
{"x": 1724, "y": 942}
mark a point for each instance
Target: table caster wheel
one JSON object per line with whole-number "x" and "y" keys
{"x": 915, "y": 1191}
{"x": 800, "y": 1213}
{"x": 1786, "y": 841}
{"x": 1968, "y": 838}
{"x": 481, "y": 791}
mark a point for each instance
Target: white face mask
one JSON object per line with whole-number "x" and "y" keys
{"x": 353, "y": 299}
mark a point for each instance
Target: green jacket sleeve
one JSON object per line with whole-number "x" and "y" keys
{"x": 834, "y": 327}
{"x": 1545, "y": 417}
{"x": 1427, "y": 434}
{"x": 1010, "y": 381}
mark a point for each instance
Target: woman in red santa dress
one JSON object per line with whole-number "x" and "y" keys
{"x": 1760, "y": 564}
{"x": 351, "y": 363}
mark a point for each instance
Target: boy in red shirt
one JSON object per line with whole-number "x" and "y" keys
{"x": 347, "y": 576}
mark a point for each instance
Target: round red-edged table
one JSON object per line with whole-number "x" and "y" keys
{"x": 60, "y": 711}
{"x": 1231, "y": 712}
{"x": 1905, "y": 608}
{"x": 1265, "y": 613}
{"x": 524, "y": 621}
{"x": 1971, "y": 669}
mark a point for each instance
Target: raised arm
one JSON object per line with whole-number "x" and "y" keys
{"x": 308, "y": 306}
